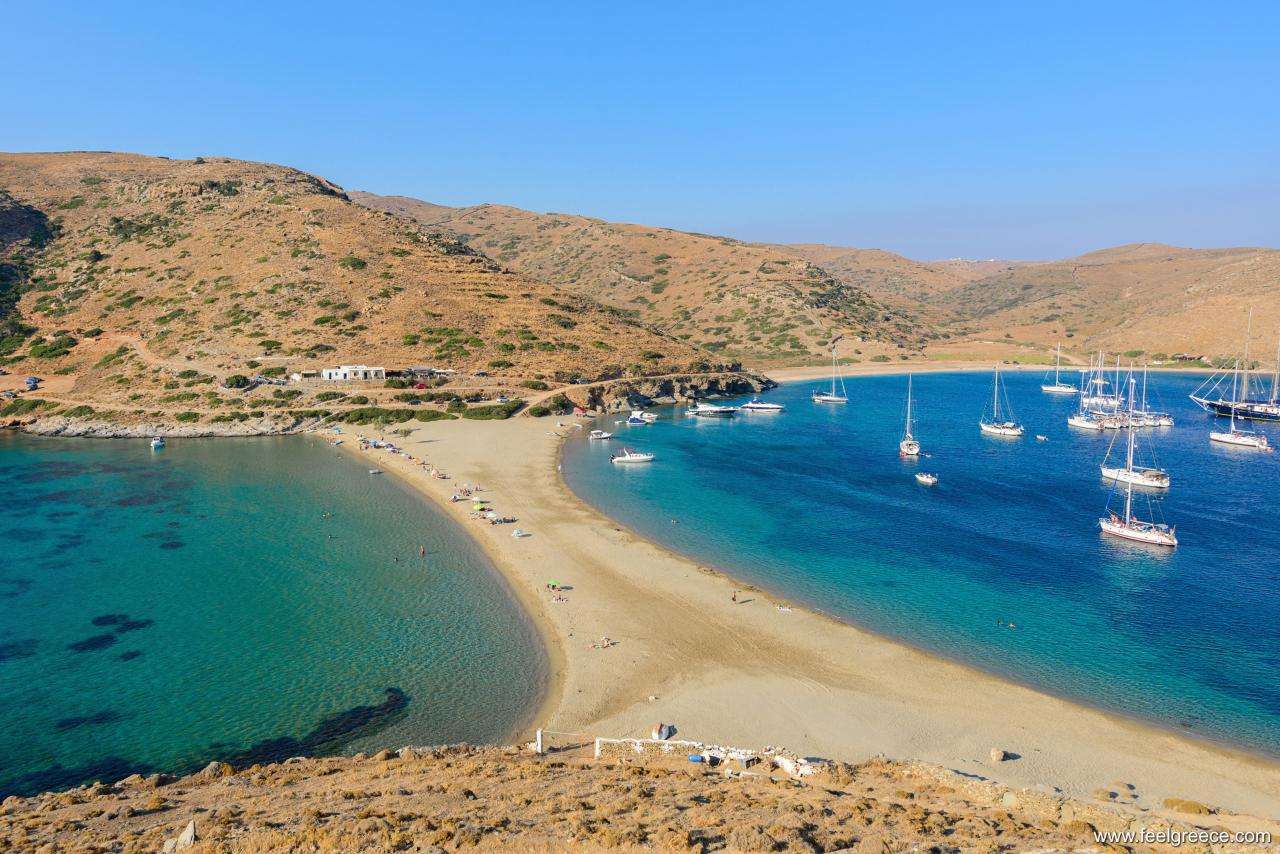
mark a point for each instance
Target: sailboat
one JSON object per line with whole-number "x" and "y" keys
{"x": 998, "y": 426}
{"x": 832, "y": 397}
{"x": 1128, "y": 526}
{"x": 1242, "y": 404}
{"x": 1236, "y": 436}
{"x": 908, "y": 447}
{"x": 1148, "y": 476}
{"x": 1058, "y": 386}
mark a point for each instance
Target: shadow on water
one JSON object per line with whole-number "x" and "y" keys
{"x": 93, "y": 644}
{"x": 104, "y": 717}
{"x": 18, "y": 649}
{"x": 329, "y": 736}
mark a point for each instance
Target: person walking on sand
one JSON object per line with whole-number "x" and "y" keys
{"x": 734, "y": 597}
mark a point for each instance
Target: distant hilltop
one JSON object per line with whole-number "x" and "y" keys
{"x": 749, "y": 299}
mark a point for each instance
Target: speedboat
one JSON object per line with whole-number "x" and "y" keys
{"x": 630, "y": 456}
{"x": 926, "y": 478}
{"x": 1149, "y": 477}
{"x": 711, "y": 410}
{"x": 639, "y": 416}
{"x": 157, "y": 443}
{"x": 599, "y": 434}
{"x": 758, "y": 405}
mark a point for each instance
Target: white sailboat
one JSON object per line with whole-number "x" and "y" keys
{"x": 832, "y": 397}
{"x": 1130, "y": 527}
{"x": 998, "y": 426}
{"x": 1058, "y": 386}
{"x": 908, "y": 447}
{"x": 1236, "y": 436}
{"x": 1148, "y": 476}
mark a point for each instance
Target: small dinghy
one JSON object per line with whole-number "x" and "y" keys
{"x": 157, "y": 443}
{"x": 599, "y": 434}
{"x": 375, "y": 471}
{"x": 926, "y": 478}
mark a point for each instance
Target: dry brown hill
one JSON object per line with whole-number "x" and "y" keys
{"x": 750, "y": 300}
{"x": 128, "y": 269}
{"x": 503, "y": 799}
{"x": 1147, "y": 296}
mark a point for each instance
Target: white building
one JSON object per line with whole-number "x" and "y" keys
{"x": 354, "y": 372}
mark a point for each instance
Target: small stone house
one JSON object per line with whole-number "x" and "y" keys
{"x": 354, "y": 372}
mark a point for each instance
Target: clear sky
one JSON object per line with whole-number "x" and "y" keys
{"x": 1025, "y": 130}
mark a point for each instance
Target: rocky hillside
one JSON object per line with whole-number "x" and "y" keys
{"x": 744, "y": 300}
{"x": 130, "y": 278}
{"x": 461, "y": 797}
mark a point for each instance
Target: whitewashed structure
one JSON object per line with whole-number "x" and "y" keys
{"x": 354, "y": 372}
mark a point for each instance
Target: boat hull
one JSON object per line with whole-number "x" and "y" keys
{"x": 1150, "y": 535}
{"x": 1138, "y": 477}
{"x": 829, "y": 398}
{"x": 1236, "y": 440}
{"x": 1059, "y": 389}
{"x": 1001, "y": 430}
{"x": 1252, "y": 411}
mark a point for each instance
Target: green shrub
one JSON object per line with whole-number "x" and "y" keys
{"x": 500, "y": 363}
{"x": 539, "y": 411}
{"x": 21, "y": 406}
{"x": 187, "y": 417}
{"x": 536, "y": 385}
{"x": 79, "y": 412}
{"x": 497, "y": 411}
{"x": 351, "y": 262}
{"x": 325, "y": 396}
{"x": 456, "y": 405}
{"x": 236, "y": 381}
{"x": 881, "y": 358}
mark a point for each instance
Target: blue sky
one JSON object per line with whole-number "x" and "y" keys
{"x": 1026, "y": 130}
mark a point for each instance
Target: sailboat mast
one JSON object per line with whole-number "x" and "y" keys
{"x": 995, "y": 397}
{"x": 1128, "y": 464}
{"x": 1235, "y": 394}
{"x": 1244, "y": 381}
{"x": 1057, "y": 366}
{"x": 1275, "y": 376}
{"x": 908, "y": 404}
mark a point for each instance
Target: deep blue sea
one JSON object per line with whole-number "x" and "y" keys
{"x": 244, "y": 599}
{"x": 815, "y": 504}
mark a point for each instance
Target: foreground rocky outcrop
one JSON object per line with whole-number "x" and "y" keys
{"x": 459, "y": 797}
{"x": 638, "y": 392}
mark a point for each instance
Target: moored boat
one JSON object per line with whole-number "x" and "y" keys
{"x": 908, "y": 447}
{"x": 755, "y": 404}
{"x": 630, "y": 456}
{"x": 831, "y": 396}
{"x": 599, "y": 434}
{"x": 998, "y": 425}
{"x": 1128, "y": 526}
{"x": 926, "y": 478}
{"x": 1058, "y": 386}
{"x": 711, "y": 410}
{"x": 157, "y": 443}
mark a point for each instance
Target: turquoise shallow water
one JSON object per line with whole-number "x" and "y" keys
{"x": 161, "y": 609}
{"x": 815, "y": 504}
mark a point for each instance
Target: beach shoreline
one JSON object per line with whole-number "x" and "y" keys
{"x": 713, "y": 660}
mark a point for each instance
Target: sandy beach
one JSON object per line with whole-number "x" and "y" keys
{"x": 759, "y": 671}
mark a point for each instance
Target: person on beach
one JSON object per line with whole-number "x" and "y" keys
{"x": 734, "y": 597}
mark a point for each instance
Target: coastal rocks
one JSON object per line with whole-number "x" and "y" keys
{"x": 1000, "y": 755}
{"x": 215, "y": 771}
{"x": 1187, "y": 806}
{"x": 640, "y": 392}
{"x": 182, "y": 841}
{"x": 59, "y": 425}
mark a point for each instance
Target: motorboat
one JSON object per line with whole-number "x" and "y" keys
{"x": 599, "y": 434}
{"x": 926, "y": 478}
{"x": 755, "y": 404}
{"x": 711, "y": 410}
{"x": 157, "y": 443}
{"x": 630, "y": 456}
